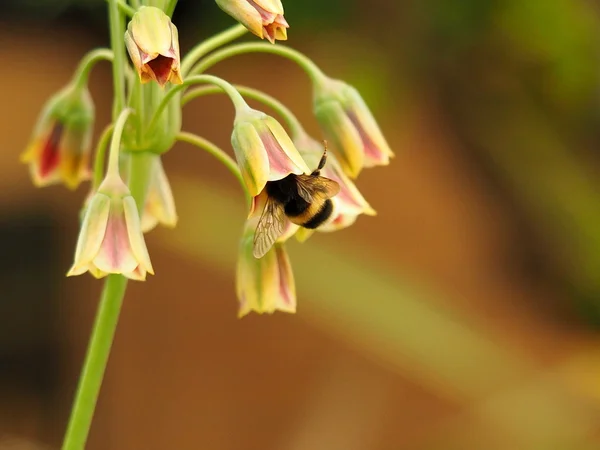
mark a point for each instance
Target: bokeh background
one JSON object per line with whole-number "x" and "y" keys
{"x": 466, "y": 315}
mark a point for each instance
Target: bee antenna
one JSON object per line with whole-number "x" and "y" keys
{"x": 324, "y": 157}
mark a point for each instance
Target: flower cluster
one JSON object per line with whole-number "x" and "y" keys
{"x": 294, "y": 186}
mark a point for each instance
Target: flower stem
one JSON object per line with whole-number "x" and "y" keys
{"x": 170, "y": 8}
{"x": 115, "y": 144}
{"x": 291, "y": 120}
{"x": 218, "y": 153}
{"x": 100, "y": 156}
{"x": 209, "y": 45}
{"x": 237, "y": 100}
{"x": 81, "y": 75}
{"x": 303, "y": 61}
{"x": 125, "y": 8}
{"x": 116, "y": 40}
{"x": 95, "y": 362}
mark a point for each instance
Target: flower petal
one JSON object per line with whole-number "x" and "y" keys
{"x": 93, "y": 229}
{"x": 251, "y": 156}
{"x": 116, "y": 255}
{"x": 135, "y": 235}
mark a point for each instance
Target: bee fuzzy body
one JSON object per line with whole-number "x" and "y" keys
{"x": 302, "y": 199}
{"x": 297, "y": 209}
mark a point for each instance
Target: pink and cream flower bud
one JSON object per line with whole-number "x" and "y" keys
{"x": 348, "y": 204}
{"x": 160, "y": 205}
{"x": 264, "y": 18}
{"x": 153, "y": 45}
{"x": 267, "y": 284}
{"x": 59, "y": 150}
{"x": 263, "y": 150}
{"x": 111, "y": 238}
{"x": 349, "y": 126}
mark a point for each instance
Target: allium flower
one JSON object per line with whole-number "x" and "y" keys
{"x": 267, "y": 284}
{"x": 153, "y": 45}
{"x": 349, "y": 125}
{"x": 160, "y": 205}
{"x": 348, "y": 204}
{"x": 264, "y": 18}
{"x": 60, "y": 147}
{"x": 263, "y": 150}
{"x": 111, "y": 238}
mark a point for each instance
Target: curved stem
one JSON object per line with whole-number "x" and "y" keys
{"x": 291, "y": 120}
{"x": 209, "y": 45}
{"x": 100, "y": 156}
{"x": 116, "y": 41}
{"x": 218, "y": 153}
{"x": 95, "y": 362}
{"x": 239, "y": 49}
{"x": 81, "y": 75}
{"x": 115, "y": 143}
{"x": 135, "y": 3}
{"x": 236, "y": 98}
{"x": 125, "y": 8}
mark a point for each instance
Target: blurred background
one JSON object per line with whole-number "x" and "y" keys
{"x": 466, "y": 315}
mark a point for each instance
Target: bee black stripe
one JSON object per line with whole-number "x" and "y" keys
{"x": 321, "y": 216}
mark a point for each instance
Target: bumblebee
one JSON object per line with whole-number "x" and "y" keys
{"x": 304, "y": 199}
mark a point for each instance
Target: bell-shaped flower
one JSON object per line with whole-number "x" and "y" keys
{"x": 263, "y": 285}
{"x": 348, "y": 204}
{"x": 111, "y": 238}
{"x": 349, "y": 125}
{"x": 160, "y": 205}
{"x": 263, "y": 150}
{"x": 264, "y": 18}
{"x": 153, "y": 45}
{"x": 59, "y": 150}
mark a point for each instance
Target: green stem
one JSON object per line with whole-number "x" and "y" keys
{"x": 81, "y": 75}
{"x": 303, "y": 61}
{"x": 95, "y": 363}
{"x": 218, "y": 153}
{"x": 125, "y": 8}
{"x": 291, "y": 120}
{"x": 140, "y": 173}
{"x": 234, "y": 95}
{"x": 100, "y": 156}
{"x": 115, "y": 144}
{"x": 117, "y": 31}
{"x": 135, "y": 3}
{"x": 209, "y": 45}
{"x": 170, "y": 8}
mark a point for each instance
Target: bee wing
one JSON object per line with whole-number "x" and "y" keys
{"x": 270, "y": 226}
{"x": 309, "y": 185}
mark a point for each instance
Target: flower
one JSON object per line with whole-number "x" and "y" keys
{"x": 160, "y": 205}
{"x": 267, "y": 284}
{"x": 264, "y": 18}
{"x": 153, "y": 45}
{"x": 263, "y": 150}
{"x": 348, "y": 123}
{"x": 348, "y": 204}
{"x": 111, "y": 238}
{"x": 59, "y": 150}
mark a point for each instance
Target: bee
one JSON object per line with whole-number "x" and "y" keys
{"x": 304, "y": 199}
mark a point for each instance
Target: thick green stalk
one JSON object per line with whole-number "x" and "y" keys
{"x": 96, "y": 359}
{"x": 303, "y": 61}
{"x": 209, "y": 45}
{"x": 117, "y": 30}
